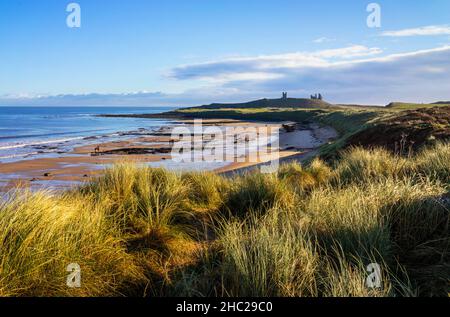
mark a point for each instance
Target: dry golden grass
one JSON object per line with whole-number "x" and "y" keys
{"x": 305, "y": 231}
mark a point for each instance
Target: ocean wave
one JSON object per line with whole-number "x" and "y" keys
{"x": 13, "y": 156}
{"x": 22, "y": 145}
{"x": 24, "y": 136}
{"x": 9, "y": 146}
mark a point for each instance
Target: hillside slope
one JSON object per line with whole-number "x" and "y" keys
{"x": 410, "y": 106}
{"x": 272, "y": 103}
{"x": 407, "y": 130}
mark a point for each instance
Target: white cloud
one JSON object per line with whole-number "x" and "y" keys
{"x": 321, "y": 40}
{"x": 256, "y": 76}
{"x": 268, "y": 63}
{"x": 350, "y": 52}
{"x": 431, "y": 30}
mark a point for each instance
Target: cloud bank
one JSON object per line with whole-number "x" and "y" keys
{"x": 431, "y": 30}
{"x": 353, "y": 74}
{"x": 266, "y": 67}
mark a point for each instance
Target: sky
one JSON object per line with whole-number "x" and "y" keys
{"x": 190, "y": 52}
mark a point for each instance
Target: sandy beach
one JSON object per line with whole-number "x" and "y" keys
{"x": 85, "y": 162}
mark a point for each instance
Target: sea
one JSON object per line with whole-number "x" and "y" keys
{"x": 41, "y": 132}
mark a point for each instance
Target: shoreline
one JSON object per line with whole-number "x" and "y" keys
{"x": 82, "y": 163}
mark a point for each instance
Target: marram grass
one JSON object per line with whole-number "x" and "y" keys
{"x": 306, "y": 231}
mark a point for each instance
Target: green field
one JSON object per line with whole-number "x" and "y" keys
{"x": 343, "y": 120}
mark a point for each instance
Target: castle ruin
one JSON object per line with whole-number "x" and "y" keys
{"x": 317, "y": 97}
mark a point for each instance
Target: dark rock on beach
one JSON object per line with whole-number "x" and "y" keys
{"x": 134, "y": 151}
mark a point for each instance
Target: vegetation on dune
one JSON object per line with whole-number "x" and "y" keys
{"x": 404, "y": 131}
{"x": 41, "y": 234}
{"x": 433, "y": 162}
{"x": 306, "y": 231}
{"x": 409, "y": 106}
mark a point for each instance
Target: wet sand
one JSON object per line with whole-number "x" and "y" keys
{"x": 297, "y": 145}
{"x": 75, "y": 169}
{"x": 86, "y": 162}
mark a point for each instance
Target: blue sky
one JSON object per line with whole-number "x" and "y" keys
{"x": 180, "y": 52}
